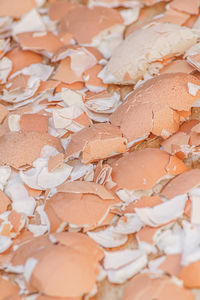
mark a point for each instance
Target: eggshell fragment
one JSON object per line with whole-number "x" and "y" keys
{"x": 86, "y": 188}
{"x": 122, "y": 265}
{"x": 21, "y": 59}
{"x": 57, "y": 10}
{"x": 30, "y": 144}
{"x": 47, "y": 43}
{"x": 65, "y": 73}
{"x": 191, "y": 7}
{"x": 174, "y": 16}
{"x": 139, "y": 166}
{"x": 177, "y": 66}
{"x": 70, "y": 208}
{"x": 55, "y": 161}
{"x": 8, "y": 8}
{"x": 169, "y": 40}
{"x": 3, "y": 112}
{"x": 7, "y": 289}
{"x": 96, "y": 142}
{"x": 4, "y": 202}
{"x": 108, "y": 238}
{"x": 171, "y": 265}
{"x": 181, "y": 184}
{"x": 97, "y": 20}
{"x": 162, "y": 213}
{"x": 63, "y": 261}
{"x": 34, "y": 122}
{"x": 145, "y": 286}
{"x": 190, "y": 275}
{"x": 152, "y": 102}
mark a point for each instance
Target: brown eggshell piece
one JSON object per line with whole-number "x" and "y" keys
{"x": 145, "y": 201}
{"x": 58, "y": 10}
{"x": 7, "y": 288}
{"x": 15, "y": 9}
{"x": 140, "y": 170}
{"x": 97, "y": 142}
{"x": 27, "y": 249}
{"x": 18, "y": 149}
{"x": 174, "y": 16}
{"x": 48, "y": 42}
{"x": 135, "y": 115}
{"x": 181, "y": 184}
{"x": 34, "y": 122}
{"x": 4, "y": 202}
{"x": 92, "y": 79}
{"x": 3, "y": 112}
{"x": 143, "y": 287}
{"x": 189, "y": 6}
{"x": 85, "y": 187}
{"x": 165, "y": 122}
{"x": 55, "y": 161}
{"x": 178, "y": 65}
{"x": 191, "y": 275}
{"x": 76, "y": 272}
{"x": 22, "y": 59}
{"x": 171, "y": 264}
{"x": 80, "y": 242}
{"x": 65, "y": 73}
{"x": 178, "y": 139}
{"x": 70, "y": 208}
{"x": 146, "y": 234}
{"x": 95, "y": 20}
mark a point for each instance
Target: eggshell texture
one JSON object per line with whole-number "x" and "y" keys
{"x": 136, "y": 53}
{"x": 142, "y": 287}
{"x": 140, "y": 170}
{"x": 70, "y": 208}
{"x": 191, "y": 7}
{"x": 7, "y": 289}
{"x": 190, "y": 275}
{"x": 79, "y": 187}
{"x": 68, "y": 256}
{"x": 19, "y": 149}
{"x": 77, "y": 272}
{"x": 152, "y": 101}
{"x": 181, "y": 184}
{"x": 95, "y": 20}
{"x": 15, "y": 9}
{"x": 98, "y": 141}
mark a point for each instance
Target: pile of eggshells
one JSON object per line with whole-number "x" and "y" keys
{"x": 99, "y": 150}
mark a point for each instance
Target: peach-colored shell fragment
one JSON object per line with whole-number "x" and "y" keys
{"x": 152, "y": 101}
{"x": 4, "y": 202}
{"x": 181, "y": 184}
{"x": 96, "y": 20}
{"x": 18, "y": 149}
{"x": 48, "y": 42}
{"x": 70, "y": 208}
{"x": 145, "y": 286}
{"x": 81, "y": 187}
{"x": 190, "y": 275}
{"x": 188, "y": 6}
{"x": 34, "y": 122}
{"x": 7, "y": 288}
{"x": 97, "y": 142}
{"x": 137, "y": 55}
{"x": 177, "y": 66}
{"x": 22, "y": 58}
{"x": 15, "y": 9}
{"x": 73, "y": 257}
{"x": 55, "y": 161}
{"x": 140, "y": 170}
{"x": 77, "y": 272}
